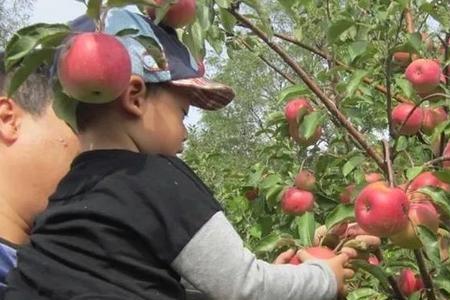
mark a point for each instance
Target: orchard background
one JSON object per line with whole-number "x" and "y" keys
{"x": 348, "y": 60}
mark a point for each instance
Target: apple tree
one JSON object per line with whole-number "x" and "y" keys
{"x": 353, "y": 143}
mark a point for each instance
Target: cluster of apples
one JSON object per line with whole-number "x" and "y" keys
{"x": 395, "y": 212}
{"x": 299, "y": 199}
{"x": 294, "y": 112}
{"x": 426, "y": 77}
{"x": 95, "y": 67}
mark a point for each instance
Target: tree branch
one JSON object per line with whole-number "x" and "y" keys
{"x": 428, "y": 283}
{"x": 328, "y": 103}
{"x": 436, "y": 161}
{"x": 366, "y": 80}
{"x": 388, "y": 160}
{"x": 409, "y": 20}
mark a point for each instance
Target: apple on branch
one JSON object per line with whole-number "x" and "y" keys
{"x": 94, "y": 67}
{"x": 180, "y": 14}
{"x": 381, "y": 210}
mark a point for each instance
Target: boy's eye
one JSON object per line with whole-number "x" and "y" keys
{"x": 185, "y": 112}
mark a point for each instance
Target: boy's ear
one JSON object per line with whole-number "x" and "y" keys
{"x": 133, "y": 100}
{"x": 10, "y": 116}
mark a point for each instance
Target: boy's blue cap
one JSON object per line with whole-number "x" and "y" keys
{"x": 182, "y": 69}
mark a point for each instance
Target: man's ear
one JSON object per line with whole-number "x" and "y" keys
{"x": 133, "y": 99}
{"x": 10, "y": 116}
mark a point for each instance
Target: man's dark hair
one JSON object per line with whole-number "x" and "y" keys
{"x": 87, "y": 113}
{"x": 34, "y": 95}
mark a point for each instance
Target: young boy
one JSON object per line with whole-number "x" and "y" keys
{"x": 36, "y": 149}
{"x": 130, "y": 218}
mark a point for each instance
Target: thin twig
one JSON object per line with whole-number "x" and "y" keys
{"x": 388, "y": 160}
{"x": 327, "y": 102}
{"x": 427, "y": 282}
{"x": 366, "y": 80}
{"x": 409, "y": 20}
{"x": 436, "y": 161}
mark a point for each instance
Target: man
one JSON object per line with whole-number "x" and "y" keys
{"x": 36, "y": 149}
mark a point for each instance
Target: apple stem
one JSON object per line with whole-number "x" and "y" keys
{"x": 327, "y": 102}
{"x": 425, "y": 276}
{"x": 326, "y": 56}
{"x": 388, "y": 160}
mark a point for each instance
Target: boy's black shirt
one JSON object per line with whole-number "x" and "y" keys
{"x": 113, "y": 227}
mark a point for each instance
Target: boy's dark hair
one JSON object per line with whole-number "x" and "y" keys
{"x": 34, "y": 95}
{"x": 87, "y": 113}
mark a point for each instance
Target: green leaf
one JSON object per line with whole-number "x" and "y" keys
{"x": 375, "y": 271}
{"x": 64, "y": 106}
{"x": 352, "y": 164}
{"x": 430, "y": 243}
{"x": 405, "y": 86}
{"x": 94, "y": 9}
{"x": 443, "y": 175}
{"x": 357, "y": 48}
{"x": 402, "y": 143}
{"x": 223, "y": 3}
{"x": 270, "y": 181}
{"x": 120, "y": 3}
{"x": 439, "y": 197}
{"x": 274, "y": 194}
{"x": 154, "y": 49}
{"x": 310, "y": 123}
{"x": 338, "y": 28}
{"x": 28, "y": 38}
{"x": 228, "y": 20}
{"x": 272, "y": 242}
{"x": 413, "y": 172}
{"x": 365, "y": 294}
{"x": 339, "y": 214}
{"x": 27, "y": 67}
{"x": 292, "y": 92}
{"x": 356, "y": 80}
{"x": 306, "y": 226}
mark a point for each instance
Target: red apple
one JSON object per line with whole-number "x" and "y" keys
{"x": 420, "y": 213}
{"x": 305, "y": 180}
{"x": 427, "y": 179}
{"x": 407, "y": 282}
{"x": 381, "y": 210}
{"x": 346, "y": 195}
{"x": 317, "y": 252}
{"x": 404, "y": 58}
{"x": 373, "y": 260}
{"x": 251, "y": 194}
{"x": 432, "y": 118}
{"x": 424, "y": 75}
{"x": 94, "y": 68}
{"x": 297, "y": 202}
{"x": 180, "y": 14}
{"x": 373, "y": 177}
{"x": 414, "y": 121}
{"x": 293, "y": 108}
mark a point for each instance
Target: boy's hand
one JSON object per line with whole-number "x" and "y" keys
{"x": 338, "y": 264}
{"x": 284, "y": 257}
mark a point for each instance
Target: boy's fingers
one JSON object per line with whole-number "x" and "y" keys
{"x": 348, "y": 273}
{"x": 284, "y": 257}
{"x": 372, "y": 242}
{"x": 351, "y": 253}
{"x": 304, "y": 256}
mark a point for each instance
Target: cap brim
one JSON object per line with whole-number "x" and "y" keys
{"x": 206, "y": 94}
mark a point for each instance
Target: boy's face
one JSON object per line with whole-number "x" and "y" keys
{"x": 163, "y": 123}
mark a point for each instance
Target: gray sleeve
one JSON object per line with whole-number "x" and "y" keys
{"x": 216, "y": 262}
